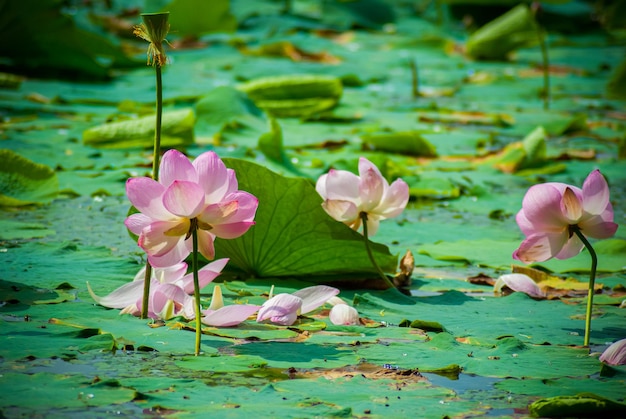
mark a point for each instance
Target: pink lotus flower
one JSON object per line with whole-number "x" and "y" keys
{"x": 170, "y": 291}
{"x": 346, "y": 196}
{"x": 550, "y": 211}
{"x": 226, "y": 316}
{"x": 615, "y": 354}
{"x": 201, "y": 195}
{"x": 284, "y": 309}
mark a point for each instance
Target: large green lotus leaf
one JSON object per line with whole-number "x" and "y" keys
{"x": 24, "y": 182}
{"x": 293, "y": 235}
{"x": 44, "y": 391}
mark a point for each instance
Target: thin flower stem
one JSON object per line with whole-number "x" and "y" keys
{"x": 146, "y": 291}
{"x": 155, "y": 175}
{"x": 196, "y": 289}
{"x": 382, "y": 275}
{"x": 157, "y": 127}
{"x": 592, "y": 280}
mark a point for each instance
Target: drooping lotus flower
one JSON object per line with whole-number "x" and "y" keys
{"x": 169, "y": 291}
{"x": 226, "y": 316}
{"x": 284, "y": 309}
{"x": 346, "y": 196}
{"x": 550, "y": 211}
{"x": 615, "y": 354}
{"x": 201, "y": 196}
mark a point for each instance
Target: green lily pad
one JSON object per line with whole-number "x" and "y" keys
{"x": 35, "y": 391}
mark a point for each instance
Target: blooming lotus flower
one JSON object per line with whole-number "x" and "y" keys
{"x": 201, "y": 196}
{"x": 347, "y": 196}
{"x": 615, "y": 354}
{"x": 520, "y": 283}
{"x": 550, "y": 212}
{"x": 169, "y": 291}
{"x": 284, "y": 308}
{"x": 225, "y": 316}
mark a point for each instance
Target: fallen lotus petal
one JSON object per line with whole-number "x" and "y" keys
{"x": 228, "y": 316}
{"x": 520, "y": 283}
{"x": 615, "y": 354}
{"x": 315, "y": 296}
{"x": 343, "y": 314}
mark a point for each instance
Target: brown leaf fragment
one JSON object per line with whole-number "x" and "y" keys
{"x": 402, "y": 279}
{"x": 481, "y": 279}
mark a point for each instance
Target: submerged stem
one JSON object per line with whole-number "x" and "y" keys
{"x": 196, "y": 289}
{"x": 592, "y": 280}
{"x": 382, "y": 275}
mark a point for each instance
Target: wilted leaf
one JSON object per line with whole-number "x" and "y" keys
{"x": 411, "y": 143}
{"x": 514, "y": 29}
{"x": 176, "y": 130}
{"x": 23, "y": 182}
{"x": 294, "y": 95}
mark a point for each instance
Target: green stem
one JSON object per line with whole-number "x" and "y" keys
{"x": 146, "y": 291}
{"x": 157, "y": 127}
{"x": 155, "y": 175}
{"x": 196, "y": 288}
{"x": 382, "y": 275}
{"x": 592, "y": 280}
